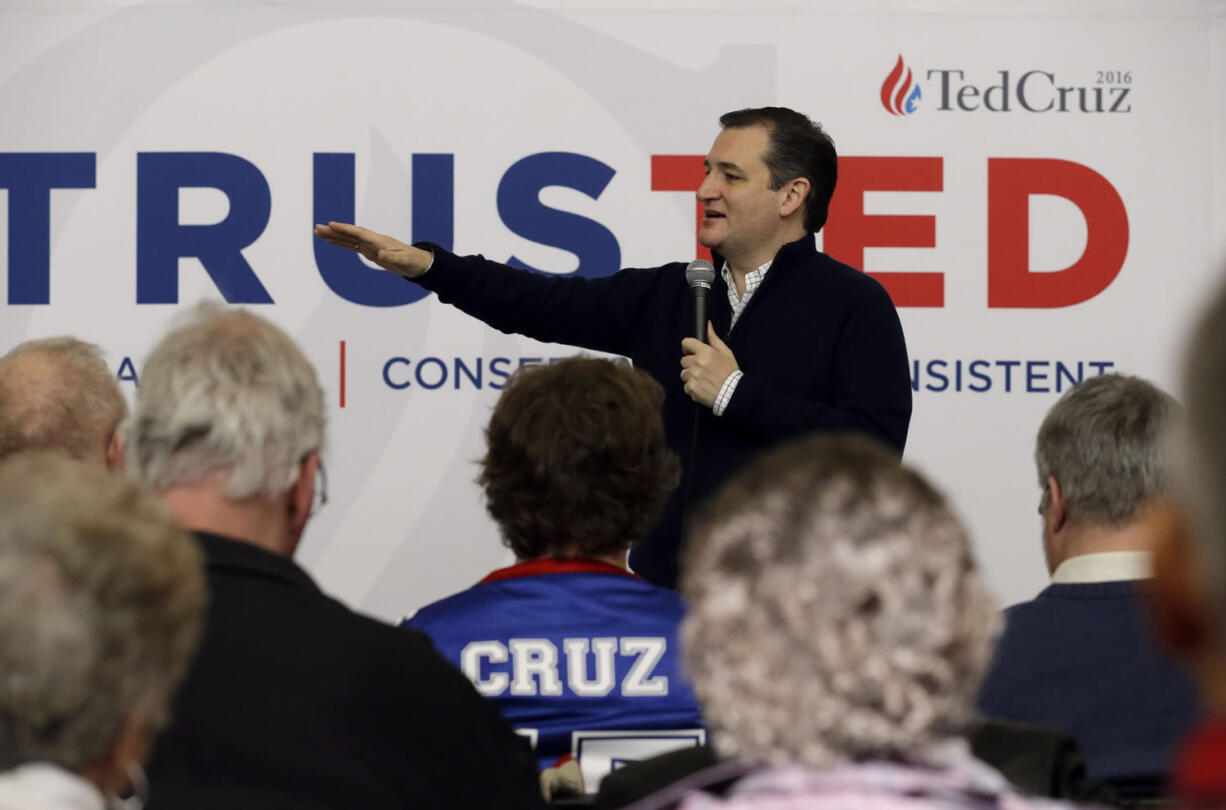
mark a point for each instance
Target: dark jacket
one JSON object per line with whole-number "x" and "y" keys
{"x": 1079, "y": 657}
{"x": 294, "y": 700}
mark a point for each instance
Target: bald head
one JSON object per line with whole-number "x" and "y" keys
{"x": 57, "y": 394}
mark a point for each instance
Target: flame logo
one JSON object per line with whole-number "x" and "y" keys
{"x": 899, "y": 94}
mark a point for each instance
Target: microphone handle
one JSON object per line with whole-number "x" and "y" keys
{"x": 700, "y": 313}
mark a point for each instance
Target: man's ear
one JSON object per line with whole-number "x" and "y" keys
{"x": 114, "y": 452}
{"x": 1181, "y": 614}
{"x": 796, "y": 191}
{"x": 300, "y": 498}
{"x": 1056, "y": 515}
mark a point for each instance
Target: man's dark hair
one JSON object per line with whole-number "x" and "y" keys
{"x": 577, "y": 464}
{"x": 798, "y": 148}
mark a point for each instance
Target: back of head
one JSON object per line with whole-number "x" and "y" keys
{"x": 57, "y": 394}
{"x": 1104, "y": 442}
{"x": 101, "y": 599}
{"x": 226, "y": 393}
{"x": 577, "y": 464}
{"x": 835, "y": 612}
{"x": 799, "y": 147}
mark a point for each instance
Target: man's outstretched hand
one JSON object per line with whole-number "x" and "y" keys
{"x": 388, "y": 253}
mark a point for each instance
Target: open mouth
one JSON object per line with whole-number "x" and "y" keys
{"x": 712, "y": 215}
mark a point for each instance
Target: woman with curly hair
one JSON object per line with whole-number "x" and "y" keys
{"x": 837, "y": 636}
{"x": 574, "y": 649}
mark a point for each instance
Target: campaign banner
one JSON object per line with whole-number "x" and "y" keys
{"x": 1038, "y": 186}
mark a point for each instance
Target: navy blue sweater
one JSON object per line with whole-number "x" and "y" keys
{"x": 1079, "y": 658}
{"x": 820, "y": 346}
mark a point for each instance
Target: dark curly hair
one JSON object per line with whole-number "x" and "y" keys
{"x": 577, "y": 464}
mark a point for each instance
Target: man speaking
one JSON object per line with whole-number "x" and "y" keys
{"x": 796, "y": 341}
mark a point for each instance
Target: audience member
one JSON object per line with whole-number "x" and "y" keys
{"x": 101, "y": 601}
{"x": 1190, "y": 562}
{"x": 293, "y": 700}
{"x": 837, "y": 634}
{"x": 1080, "y": 656}
{"x": 1037, "y": 761}
{"x": 57, "y": 394}
{"x": 567, "y": 641}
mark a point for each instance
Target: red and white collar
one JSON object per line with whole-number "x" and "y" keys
{"x": 549, "y": 565}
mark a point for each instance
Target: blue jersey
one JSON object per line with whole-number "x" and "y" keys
{"x": 565, "y": 646}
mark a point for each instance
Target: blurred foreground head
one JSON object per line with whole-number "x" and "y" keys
{"x": 57, "y": 394}
{"x": 1190, "y": 563}
{"x": 101, "y": 598}
{"x": 836, "y": 614}
{"x": 1202, "y": 467}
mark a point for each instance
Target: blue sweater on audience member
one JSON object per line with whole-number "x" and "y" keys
{"x": 1079, "y": 657}
{"x": 567, "y": 645}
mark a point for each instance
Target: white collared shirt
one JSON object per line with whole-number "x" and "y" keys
{"x": 753, "y": 279}
{"x": 43, "y": 786}
{"x": 1105, "y": 566}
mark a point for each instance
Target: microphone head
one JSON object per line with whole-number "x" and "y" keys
{"x": 700, "y": 273}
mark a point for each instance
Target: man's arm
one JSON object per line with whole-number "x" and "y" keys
{"x": 593, "y": 313}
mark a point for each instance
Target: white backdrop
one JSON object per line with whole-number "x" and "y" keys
{"x": 112, "y": 114}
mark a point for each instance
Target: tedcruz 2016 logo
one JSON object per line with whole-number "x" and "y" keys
{"x": 899, "y": 92}
{"x": 1035, "y": 91}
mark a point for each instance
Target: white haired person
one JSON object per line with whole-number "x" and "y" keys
{"x": 101, "y": 601}
{"x": 294, "y": 700}
{"x": 837, "y": 634}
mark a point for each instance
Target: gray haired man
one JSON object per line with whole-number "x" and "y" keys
{"x": 56, "y": 394}
{"x": 1078, "y": 657}
{"x": 293, "y": 700}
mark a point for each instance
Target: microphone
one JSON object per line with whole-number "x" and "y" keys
{"x": 700, "y": 275}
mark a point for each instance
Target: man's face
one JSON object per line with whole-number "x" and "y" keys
{"x": 740, "y": 212}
